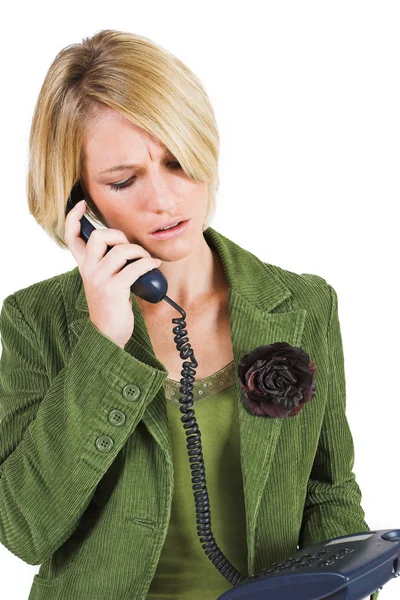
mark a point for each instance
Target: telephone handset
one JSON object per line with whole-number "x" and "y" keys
{"x": 357, "y": 563}
{"x": 151, "y": 286}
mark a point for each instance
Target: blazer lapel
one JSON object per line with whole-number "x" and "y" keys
{"x": 255, "y": 293}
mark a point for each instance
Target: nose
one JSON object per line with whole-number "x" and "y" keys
{"x": 160, "y": 195}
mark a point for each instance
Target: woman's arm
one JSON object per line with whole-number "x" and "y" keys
{"x": 49, "y": 463}
{"x": 333, "y": 501}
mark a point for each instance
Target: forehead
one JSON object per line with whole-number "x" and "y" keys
{"x": 110, "y": 135}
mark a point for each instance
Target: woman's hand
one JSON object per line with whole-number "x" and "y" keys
{"x": 106, "y": 281}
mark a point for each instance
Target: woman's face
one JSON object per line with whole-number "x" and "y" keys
{"x": 154, "y": 191}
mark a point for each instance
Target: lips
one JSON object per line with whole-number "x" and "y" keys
{"x": 173, "y": 222}
{"x": 172, "y": 232}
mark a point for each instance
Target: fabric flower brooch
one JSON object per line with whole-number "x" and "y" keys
{"x": 277, "y": 380}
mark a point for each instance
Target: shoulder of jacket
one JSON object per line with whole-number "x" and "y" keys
{"x": 308, "y": 290}
{"x": 46, "y": 296}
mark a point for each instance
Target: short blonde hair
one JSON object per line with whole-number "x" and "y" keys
{"x": 139, "y": 79}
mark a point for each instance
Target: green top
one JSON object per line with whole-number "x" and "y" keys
{"x": 184, "y": 570}
{"x": 86, "y": 451}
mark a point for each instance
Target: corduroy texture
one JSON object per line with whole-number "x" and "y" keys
{"x": 86, "y": 491}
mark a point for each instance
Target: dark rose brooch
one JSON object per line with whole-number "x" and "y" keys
{"x": 277, "y": 380}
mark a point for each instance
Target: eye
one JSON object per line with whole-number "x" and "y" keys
{"x": 128, "y": 182}
{"x": 175, "y": 162}
{"x": 124, "y": 184}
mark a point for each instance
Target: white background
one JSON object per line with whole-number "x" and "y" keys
{"x": 306, "y": 96}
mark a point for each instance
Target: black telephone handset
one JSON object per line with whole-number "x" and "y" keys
{"x": 151, "y": 286}
{"x": 306, "y": 575}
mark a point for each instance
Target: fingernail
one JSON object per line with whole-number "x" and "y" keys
{"x": 81, "y": 203}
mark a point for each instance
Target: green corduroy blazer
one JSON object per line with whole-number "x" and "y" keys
{"x": 86, "y": 470}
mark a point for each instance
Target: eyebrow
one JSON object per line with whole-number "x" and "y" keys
{"x": 131, "y": 166}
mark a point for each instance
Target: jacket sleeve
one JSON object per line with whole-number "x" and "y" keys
{"x": 52, "y": 454}
{"x": 333, "y": 500}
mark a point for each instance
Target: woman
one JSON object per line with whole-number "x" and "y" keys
{"x": 95, "y": 479}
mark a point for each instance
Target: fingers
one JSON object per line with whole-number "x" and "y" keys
{"x": 72, "y": 228}
{"x": 89, "y": 254}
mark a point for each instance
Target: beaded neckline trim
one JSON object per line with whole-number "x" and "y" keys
{"x": 203, "y": 388}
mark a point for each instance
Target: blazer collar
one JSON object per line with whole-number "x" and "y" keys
{"x": 256, "y": 317}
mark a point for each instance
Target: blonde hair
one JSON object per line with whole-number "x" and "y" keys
{"x": 139, "y": 79}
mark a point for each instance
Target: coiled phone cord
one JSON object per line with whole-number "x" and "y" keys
{"x": 152, "y": 287}
{"x": 203, "y": 515}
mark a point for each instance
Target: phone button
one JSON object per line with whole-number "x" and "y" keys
{"x": 116, "y": 417}
{"x": 131, "y": 392}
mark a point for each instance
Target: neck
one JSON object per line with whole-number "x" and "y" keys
{"x": 192, "y": 281}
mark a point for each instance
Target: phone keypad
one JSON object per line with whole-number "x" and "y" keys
{"x": 321, "y": 559}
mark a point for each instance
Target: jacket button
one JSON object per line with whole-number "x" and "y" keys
{"x": 131, "y": 392}
{"x": 104, "y": 443}
{"x": 116, "y": 417}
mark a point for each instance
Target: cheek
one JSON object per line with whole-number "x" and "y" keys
{"x": 117, "y": 217}
{"x": 197, "y": 196}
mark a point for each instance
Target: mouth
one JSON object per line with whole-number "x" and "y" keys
{"x": 168, "y": 225}
{"x": 171, "y": 232}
